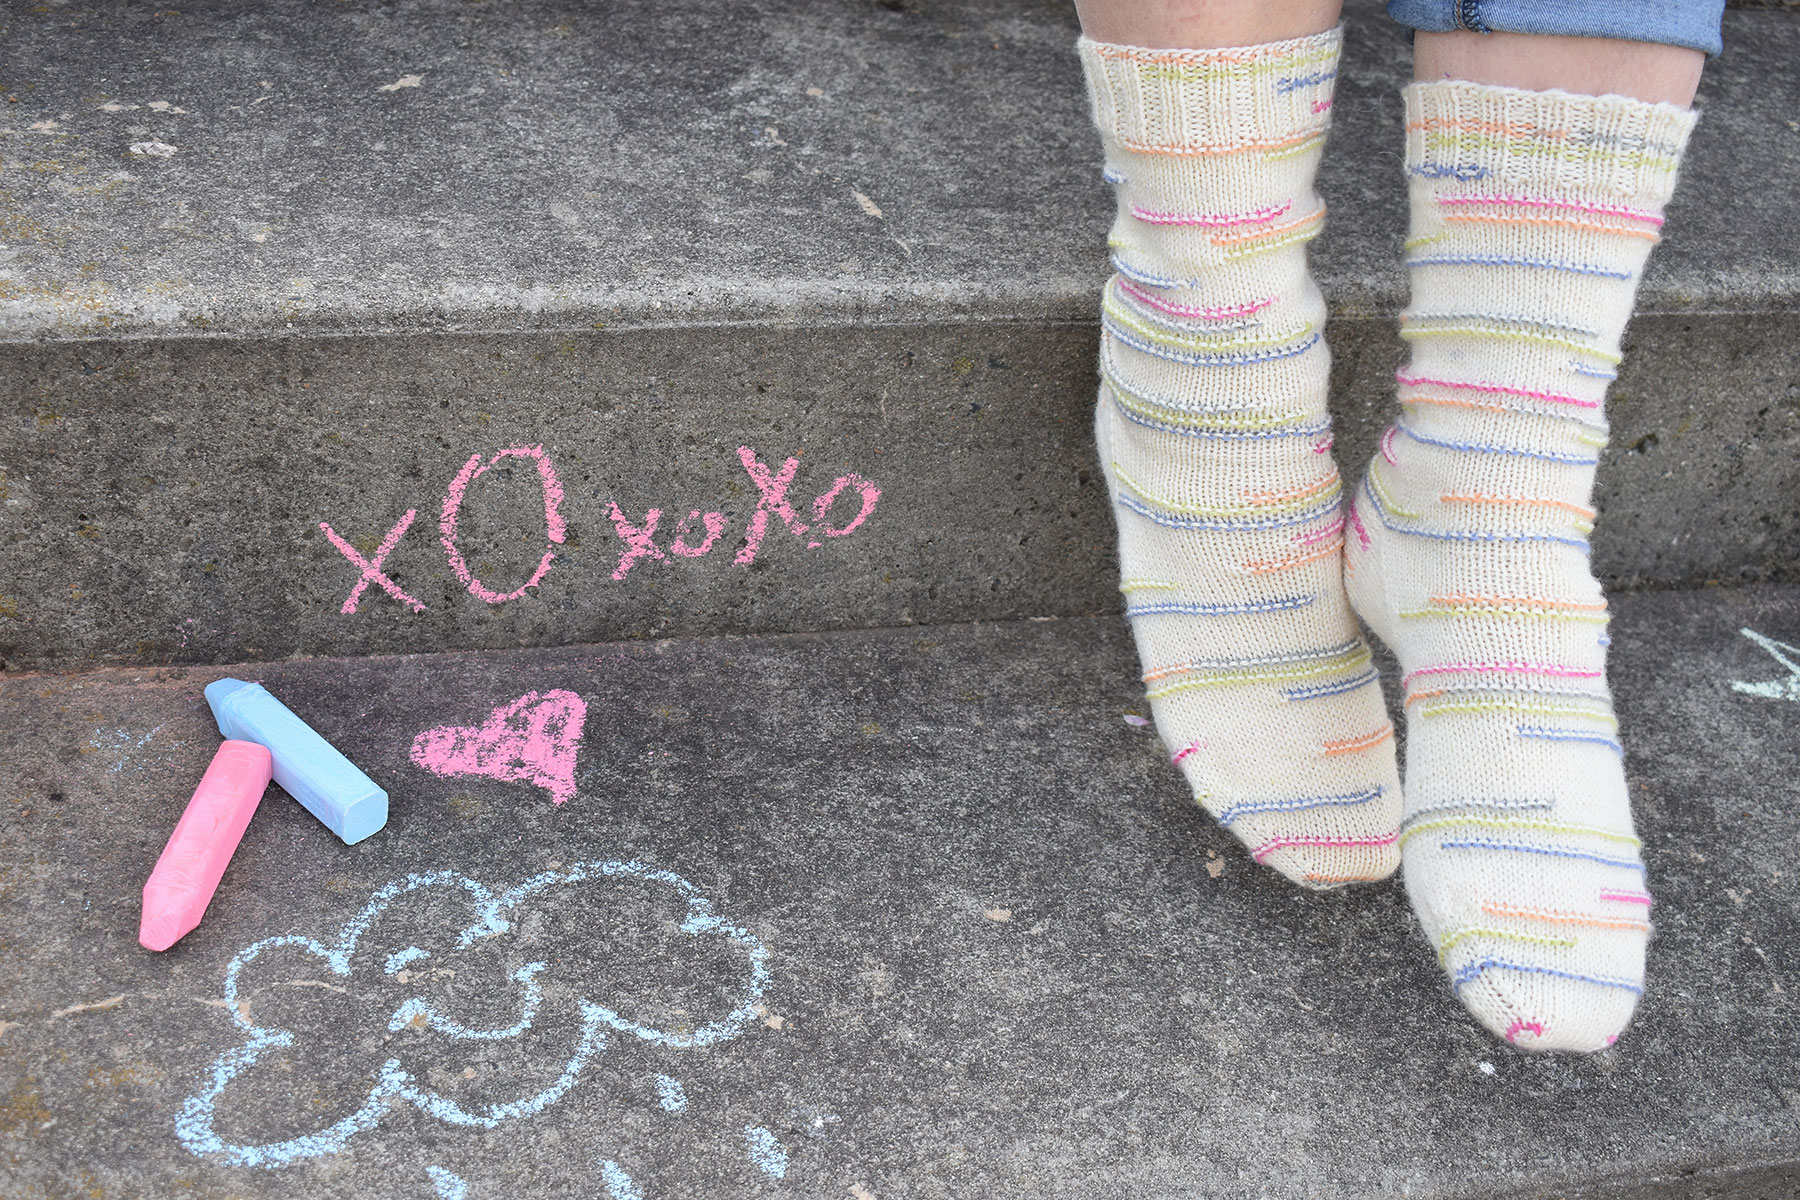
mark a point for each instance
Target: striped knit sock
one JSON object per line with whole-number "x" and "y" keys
{"x": 1532, "y": 215}
{"x": 1215, "y": 442}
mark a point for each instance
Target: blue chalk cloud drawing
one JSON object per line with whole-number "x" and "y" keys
{"x": 195, "y": 1126}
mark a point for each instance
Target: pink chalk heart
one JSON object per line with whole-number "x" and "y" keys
{"x": 532, "y": 740}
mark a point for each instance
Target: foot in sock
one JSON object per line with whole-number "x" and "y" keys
{"x": 1532, "y": 215}
{"x": 1215, "y": 441}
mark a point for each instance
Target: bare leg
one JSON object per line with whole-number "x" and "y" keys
{"x": 1584, "y": 65}
{"x": 1204, "y": 24}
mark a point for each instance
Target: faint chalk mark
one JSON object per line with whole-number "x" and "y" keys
{"x": 449, "y": 1185}
{"x": 670, "y": 1094}
{"x": 1773, "y": 689}
{"x": 766, "y": 1152}
{"x": 618, "y": 1184}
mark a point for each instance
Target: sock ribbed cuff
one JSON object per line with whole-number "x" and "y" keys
{"x": 1213, "y": 101}
{"x": 1552, "y": 141}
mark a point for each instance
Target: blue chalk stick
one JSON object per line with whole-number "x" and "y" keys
{"x": 310, "y": 768}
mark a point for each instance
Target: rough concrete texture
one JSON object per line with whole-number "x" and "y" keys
{"x": 178, "y": 422}
{"x": 163, "y": 498}
{"x": 1006, "y": 956}
{"x": 442, "y": 165}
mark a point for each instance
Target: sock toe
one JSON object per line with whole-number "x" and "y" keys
{"x": 1311, "y": 789}
{"x": 1327, "y": 868}
{"x": 1539, "y": 1012}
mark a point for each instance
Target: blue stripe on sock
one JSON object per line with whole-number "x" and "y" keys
{"x": 1570, "y": 735}
{"x": 1551, "y": 851}
{"x": 1469, "y": 972}
{"x": 1331, "y": 689}
{"x": 1221, "y": 610}
{"x": 1261, "y": 806}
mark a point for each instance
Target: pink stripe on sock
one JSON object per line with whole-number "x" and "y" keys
{"x": 1526, "y": 668}
{"x": 1387, "y": 446}
{"x": 1627, "y": 897}
{"x": 1520, "y": 1026}
{"x": 1528, "y": 202}
{"x": 1219, "y": 313}
{"x": 1211, "y": 220}
{"x": 1325, "y": 445}
{"x": 1356, "y": 523}
{"x": 1319, "y": 535}
{"x": 1547, "y": 397}
{"x": 1186, "y": 750}
{"x": 1273, "y": 844}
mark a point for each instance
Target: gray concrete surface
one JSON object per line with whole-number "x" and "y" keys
{"x": 170, "y": 505}
{"x": 557, "y": 162}
{"x": 205, "y": 357}
{"x": 1006, "y": 956}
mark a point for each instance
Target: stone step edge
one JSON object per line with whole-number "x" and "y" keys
{"x": 877, "y": 308}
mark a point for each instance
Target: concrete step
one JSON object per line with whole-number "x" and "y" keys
{"x": 1005, "y": 956}
{"x": 357, "y": 246}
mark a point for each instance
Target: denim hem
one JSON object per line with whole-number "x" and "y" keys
{"x": 1690, "y": 23}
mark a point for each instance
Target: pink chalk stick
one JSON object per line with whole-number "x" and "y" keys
{"x": 187, "y": 874}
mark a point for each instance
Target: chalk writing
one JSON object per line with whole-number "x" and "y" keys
{"x": 715, "y": 525}
{"x": 618, "y": 1184}
{"x": 534, "y": 740}
{"x": 417, "y": 1010}
{"x": 473, "y": 470}
{"x": 822, "y": 505}
{"x": 772, "y": 498}
{"x": 670, "y": 1094}
{"x": 371, "y": 568}
{"x": 765, "y": 1151}
{"x": 195, "y": 1126}
{"x": 122, "y": 740}
{"x": 449, "y": 1186}
{"x": 1773, "y": 689}
{"x": 638, "y": 543}
{"x": 638, "y": 538}
{"x": 396, "y": 962}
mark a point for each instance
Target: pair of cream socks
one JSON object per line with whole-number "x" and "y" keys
{"x": 1463, "y": 546}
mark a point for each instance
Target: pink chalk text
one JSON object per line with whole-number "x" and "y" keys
{"x": 715, "y": 525}
{"x": 638, "y": 543}
{"x": 473, "y": 470}
{"x": 371, "y": 570}
{"x": 638, "y": 537}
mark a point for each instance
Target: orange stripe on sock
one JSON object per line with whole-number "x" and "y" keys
{"x": 1533, "y": 601}
{"x": 1265, "y": 566}
{"x": 1350, "y": 745}
{"x": 1222, "y": 148}
{"x": 1311, "y": 489}
{"x": 1449, "y": 403}
{"x": 1483, "y": 498}
{"x": 1312, "y": 218}
{"x": 1562, "y": 918}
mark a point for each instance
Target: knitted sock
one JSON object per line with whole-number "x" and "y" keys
{"x": 1215, "y": 442}
{"x": 1532, "y": 215}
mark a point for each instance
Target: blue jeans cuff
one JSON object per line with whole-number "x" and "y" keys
{"x": 1691, "y": 23}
